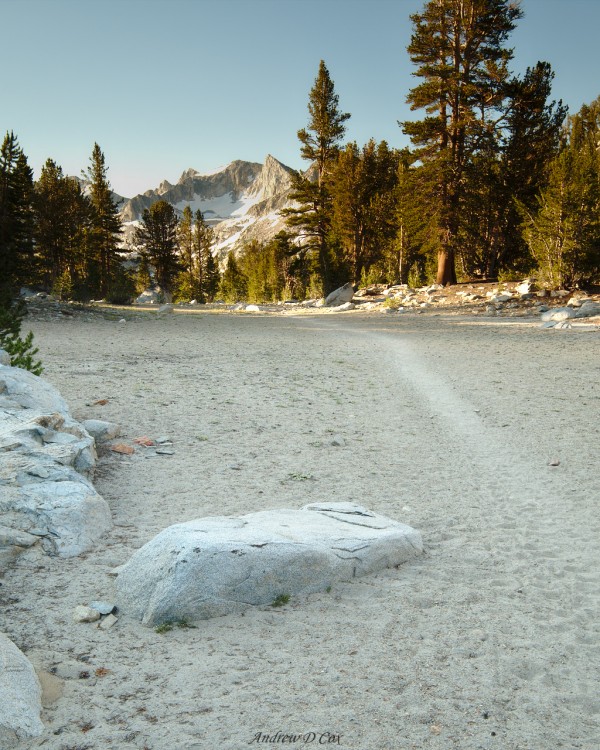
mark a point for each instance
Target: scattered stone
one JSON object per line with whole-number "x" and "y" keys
{"x": 589, "y": 309}
{"x": 164, "y": 452}
{"x": 340, "y": 296}
{"x": 145, "y": 441}
{"x": 558, "y": 314}
{"x": 20, "y": 706}
{"x": 107, "y": 622}
{"x": 100, "y": 430}
{"x": 165, "y": 309}
{"x": 345, "y": 306}
{"x": 148, "y": 297}
{"x": 338, "y": 441}
{"x": 525, "y": 287}
{"x": 252, "y": 308}
{"x": 554, "y": 462}
{"x": 126, "y": 450}
{"x": 85, "y": 614}
{"x": 215, "y": 566}
{"x": 4, "y": 358}
{"x": 105, "y": 608}
{"x": 163, "y": 440}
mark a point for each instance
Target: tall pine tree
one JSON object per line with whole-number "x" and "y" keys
{"x": 157, "y": 234}
{"x": 62, "y": 218}
{"x": 458, "y": 48}
{"x": 106, "y": 228}
{"x": 16, "y": 218}
{"x": 311, "y": 219}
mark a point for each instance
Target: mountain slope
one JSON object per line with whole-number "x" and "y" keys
{"x": 241, "y": 201}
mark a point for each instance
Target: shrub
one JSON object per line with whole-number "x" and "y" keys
{"x": 20, "y": 350}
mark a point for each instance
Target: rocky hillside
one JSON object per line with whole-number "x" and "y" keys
{"x": 241, "y": 201}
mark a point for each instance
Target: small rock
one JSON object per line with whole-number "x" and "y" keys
{"x": 163, "y": 440}
{"x": 105, "y": 608}
{"x": 165, "y": 309}
{"x": 122, "y": 320}
{"x": 554, "y": 462}
{"x": 338, "y": 441}
{"x": 165, "y": 452}
{"x": 100, "y": 430}
{"x": 252, "y": 308}
{"x": 85, "y": 614}
{"x": 558, "y": 314}
{"x": 107, "y": 622}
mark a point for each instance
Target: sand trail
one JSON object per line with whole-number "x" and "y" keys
{"x": 487, "y": 641}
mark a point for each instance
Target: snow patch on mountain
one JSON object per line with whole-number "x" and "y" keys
{"x": 241, "y": 201}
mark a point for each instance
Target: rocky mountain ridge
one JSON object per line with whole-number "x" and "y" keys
{"x": 241, "y": 202}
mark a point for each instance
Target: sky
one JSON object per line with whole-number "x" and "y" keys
{"x": 165, "y": 85}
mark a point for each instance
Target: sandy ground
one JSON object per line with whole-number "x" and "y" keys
{"x": 490, "y": 640}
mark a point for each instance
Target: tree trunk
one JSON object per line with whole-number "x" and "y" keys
{"x": 446, "y": 273}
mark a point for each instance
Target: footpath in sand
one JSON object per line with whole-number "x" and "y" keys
{"x": 482, "y": 434}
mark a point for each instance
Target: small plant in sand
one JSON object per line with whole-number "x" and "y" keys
{"x": 167, "y": 626}
{"x": 281, "y": 600}
{"x": 297, "y": 476}
{"x": 20, "y": 350}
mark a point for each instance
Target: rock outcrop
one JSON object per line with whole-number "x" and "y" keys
{"x": 340, "y": 296}
{"x": 47, "y": 461}
{"x": 20, "y": 695}
{"x": 215, "y": 566}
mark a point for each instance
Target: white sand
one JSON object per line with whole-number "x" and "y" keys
{"x": 490, "y": 640}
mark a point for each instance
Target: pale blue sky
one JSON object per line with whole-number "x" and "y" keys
{"x": 164, "y": 85}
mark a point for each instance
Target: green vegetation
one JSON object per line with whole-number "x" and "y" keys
{"x": 498, "y": 183}
{"x": 281, "y": 600}
{"x": 167, "y": 626}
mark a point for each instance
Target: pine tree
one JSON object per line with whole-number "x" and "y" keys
{"x": 458, "y": 46}
{"x": 406, "y": 255}
{"x": 16, "y": 218}
{"x": 187, "y": 286}
{"x": 62, "y": 216}
{"x": 234, "y": 284}
{"x": 207, "y": 268}
{"x": 157, "y": 234}
{"x": 106, "y": 228}
{"x": 311, "y": 219}
{"x": 361, "y": 186}
{"x": 564, "y": 233}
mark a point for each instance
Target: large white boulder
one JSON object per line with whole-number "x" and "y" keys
{"x": 340, "y": 296}
{"x": 20, "y": 694}
{"x": 218, "y": 565}
{"x": 46, "y": 459}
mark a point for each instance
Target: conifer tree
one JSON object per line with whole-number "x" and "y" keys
{"x": 234, "y": 284}
{"x": 187, "y": 286}
{"x": 458, "y": 46}
{"x": 16, "y": 218}
{"x": 62, "y": 216}
{"x": 311, "y": 219}
{"x": 361, "y": 184}
{"x": 207, "y": 273}
{"x": 564, "y": 233}
{"x": 106, "y": 228}
{"x": 157, "y": 234}
{"x": 407, "y": 253}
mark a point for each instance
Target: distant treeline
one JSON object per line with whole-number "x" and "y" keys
{"x": 499, "y": 183}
